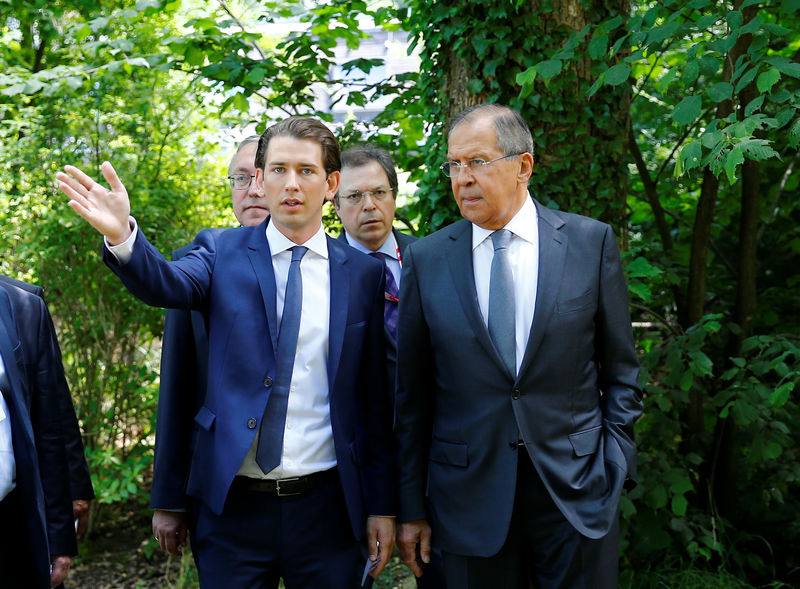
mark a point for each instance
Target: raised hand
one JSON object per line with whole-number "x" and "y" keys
{"x": 105, "y": 210}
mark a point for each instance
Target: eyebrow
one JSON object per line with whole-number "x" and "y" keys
{"x": 299, "y": 164}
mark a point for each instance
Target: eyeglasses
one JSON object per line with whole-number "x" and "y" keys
{"x": 240, "y": 181}
{"x": 452, "y": 167}
{"x": 356, "y": 197}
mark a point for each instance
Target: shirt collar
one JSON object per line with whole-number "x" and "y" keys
{"x": 278, "y": 242}
{"x": 523, "y": 225}
{"x": 389, "y": 246}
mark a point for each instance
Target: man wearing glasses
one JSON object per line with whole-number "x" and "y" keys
{"x": 517, "y": 378}
{"x": 184, "y": 365}
{"x": 366, "y": 203}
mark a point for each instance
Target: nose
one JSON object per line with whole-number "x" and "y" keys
{"x": 253, "y": 191}
{"x": 367, "y": 204}
{"x": 292, "y": 180}
{"x": 462, "y": 175}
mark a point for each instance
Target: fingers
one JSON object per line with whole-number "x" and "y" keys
{"x": 425, "y": 545}
{"x": 384, "y": 555}
{"x": 169, "y": 529}
{"x": 80, "y": 511}
{"x": 60, "y": 570}
{"x": 110, "y": 174}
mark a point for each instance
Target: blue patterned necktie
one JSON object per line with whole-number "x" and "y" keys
{"x": 270, "y": 441}
{"x": 390, "y": 296}
{"x": 501, "y": 302}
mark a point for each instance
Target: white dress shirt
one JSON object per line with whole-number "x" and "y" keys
{"x": 8, "y": 467}
{"x": 308, "y": 436}
{"x": 389, "y": 247}
{"x": 523, "y": 251}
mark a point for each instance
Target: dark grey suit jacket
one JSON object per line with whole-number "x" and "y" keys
{"x": 459, "y": 411}
{"x": 20, "y": 293}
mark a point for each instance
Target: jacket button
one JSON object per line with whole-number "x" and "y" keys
{"x": 268, "y": 381}
{"x": 252, "y": 423}
{"x": 515, "y": 394}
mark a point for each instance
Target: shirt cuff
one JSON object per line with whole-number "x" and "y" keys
{"x": 123, "y": 251}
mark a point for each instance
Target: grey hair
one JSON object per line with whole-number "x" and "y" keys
{"x": 246, "y": 141}
{"x": 513, "y": 133}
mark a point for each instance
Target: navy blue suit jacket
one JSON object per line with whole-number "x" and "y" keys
{"x": 229, "y": 278}
{"x": 34, "y": 403}
{"x": 181, "y": 393}
{"x": 403, "y": 241}
{"x": 22, "y": 298}
{"x": 459, "y": 410}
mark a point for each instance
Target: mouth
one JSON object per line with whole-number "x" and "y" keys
{"x": 291, "y": 203}
{"x": 370, "y": 222}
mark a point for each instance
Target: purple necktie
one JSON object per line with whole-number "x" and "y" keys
{"x": 391, "y": 295}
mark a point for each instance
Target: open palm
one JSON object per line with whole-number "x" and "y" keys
{"x": 105, "y": 210}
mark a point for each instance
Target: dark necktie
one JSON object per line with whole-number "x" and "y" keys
{"x": 270, "y": 441}
{"x": 501, "y": 302}
{"x": 390, "y": 296}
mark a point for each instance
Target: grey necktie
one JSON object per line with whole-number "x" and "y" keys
{"x": 270, "y": 441}
{"x": 501, "y": 302}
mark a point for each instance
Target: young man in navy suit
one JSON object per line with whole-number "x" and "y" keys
{"x": 293, "y": 464}
{"x": 517, "y": 378}
{"x": 184, "y": 367}
{"x": 38, "y": 538}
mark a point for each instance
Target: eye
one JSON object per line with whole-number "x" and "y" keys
{"x": 477, "y": 163}
{"x": 306, "y": 171}
{"x": 379, "y": 194}
{"x": 278, "y": 170}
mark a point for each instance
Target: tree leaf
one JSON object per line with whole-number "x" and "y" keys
{"x": 720, "y": 91}
{"x": 598, "y": 47}
{"x": 794, "y": 134}
{"x": 748, "y": 77}
{"x": 690, "y": 72}
{"x": 753, "y": 105}
{"x": 690, "y": 155}
{"x": 733, "y": 158}
{"x": 549, "y": 68}
{"x": 780, "y": 396}
{"x": 687, "y": 110}
{"x": 768, "y": 79}
{"x": 617, "y": 74}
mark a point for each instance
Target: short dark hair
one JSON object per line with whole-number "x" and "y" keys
{"x": 302, "y": 128}
{"x": 513, "y": 133}
{"x": 246, "y": 141}
{"x": 361, "y": 155}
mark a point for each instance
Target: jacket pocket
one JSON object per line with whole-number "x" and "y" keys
{"x": 453, "y": 453}
{"x": 586, "y": 442}
{"x": 205, "y": 418}
{"x": 576, "y": 303}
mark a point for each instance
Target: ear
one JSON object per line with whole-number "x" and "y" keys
{"x": 259, "y": 180}
{"x": 525, "y": 168}
{"x": 333, "y": 184}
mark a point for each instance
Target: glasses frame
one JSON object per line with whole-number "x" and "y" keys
{"x": 357, "y": 197}
{"x": 232, "y": 181}
{"x": 474, "y": 165}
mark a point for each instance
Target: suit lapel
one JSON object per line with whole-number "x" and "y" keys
{"x": 261, "y": 260}
{"x": 15, "y": 395}
{"x": 552, "y": 251}
{"x": 463, "y": 275}
{"x": 340, "y": 297}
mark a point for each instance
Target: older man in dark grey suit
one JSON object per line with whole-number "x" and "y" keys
{"x": 517, "y": 378}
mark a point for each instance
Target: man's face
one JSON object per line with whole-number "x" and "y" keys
{"x": 492, "y": 195}
{"x": 249, "y": 205}
{"x": 369, "y": 221}
{"x": 295, "y": 185}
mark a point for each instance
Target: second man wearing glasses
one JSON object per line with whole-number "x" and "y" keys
{"x": 366, "y": 204}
